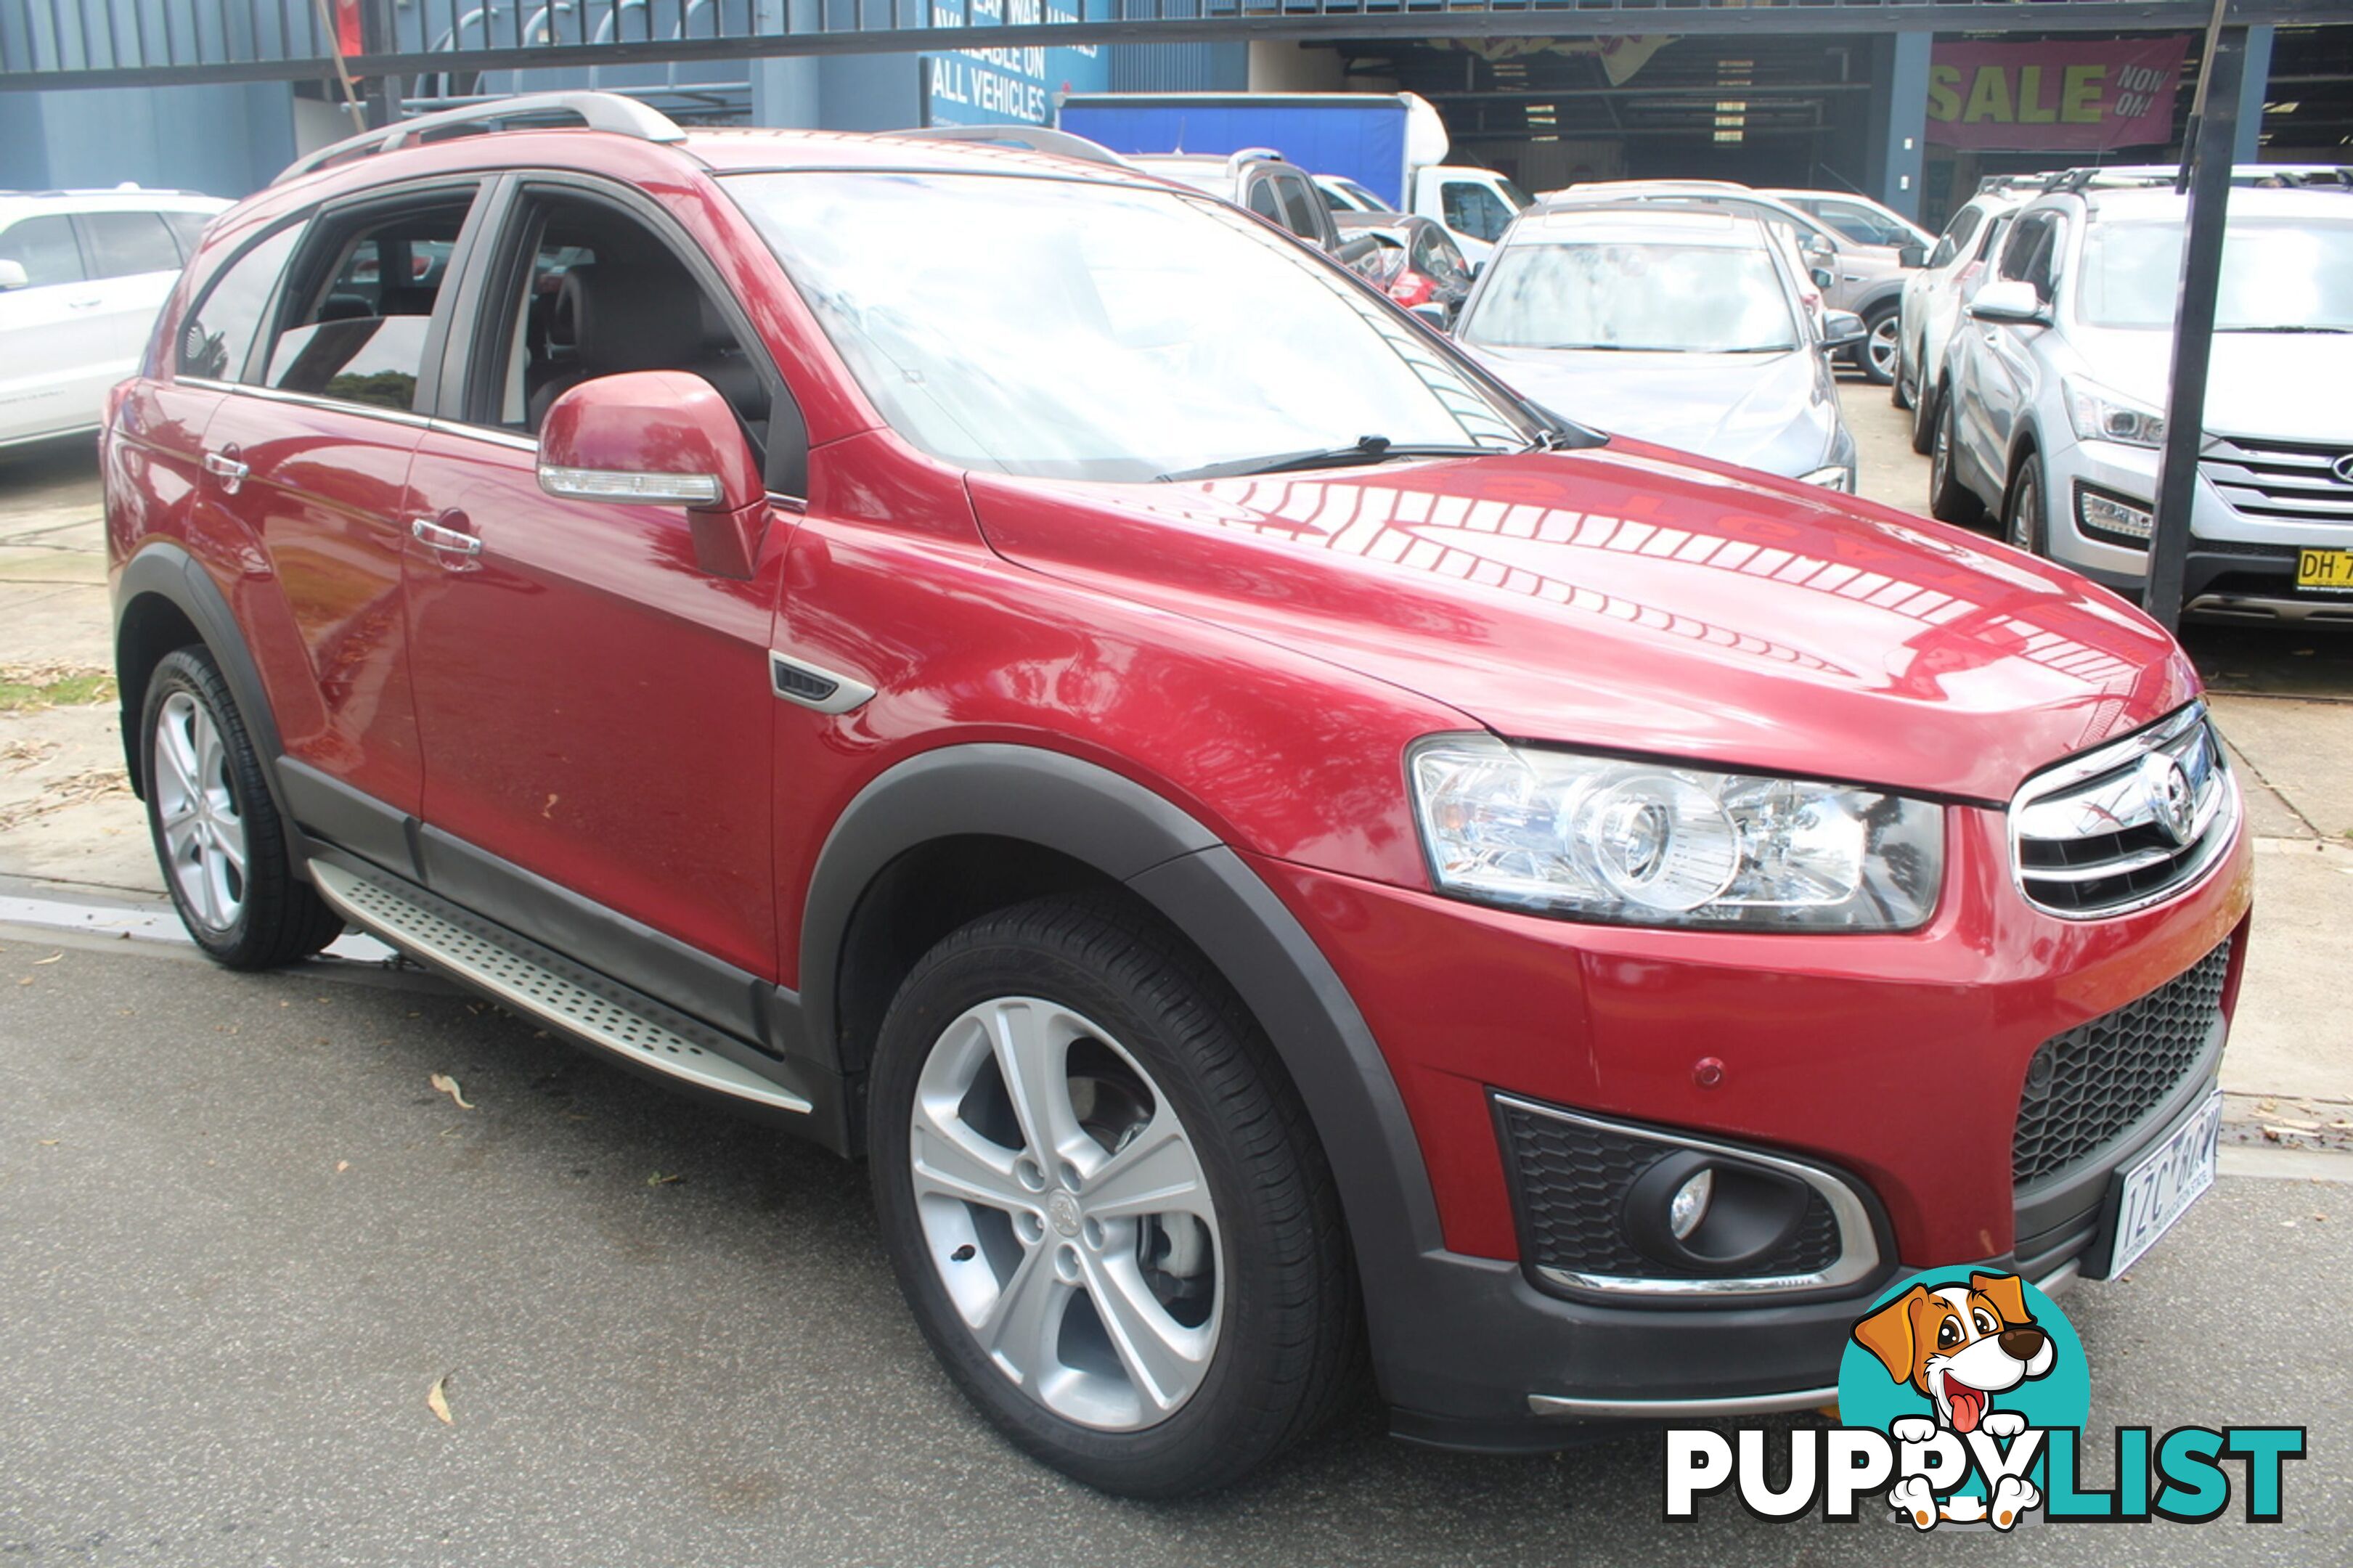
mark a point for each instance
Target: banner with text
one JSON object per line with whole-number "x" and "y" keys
{"x": 2078, "y": 97}
{"x": 1015, "y": 86}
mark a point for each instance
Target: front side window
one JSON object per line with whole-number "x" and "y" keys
{"x": 1661, "y": 298}
{"x": 1299, "y": 208}
{"x": 1436, "y": 258}
{"x": 1473, "y": 209}
{"x": 45, "y": 247}
{"x": 1080, "y": 329}
{"x": 123, "y": 244}
{"x": 1957, "y": 235}
{"x": 1263, "y": 200}
{"x": 218, "y": 334}
{"x": 357, "y": 325}
{"x": 2276, "y": 274}
{"x": 2026, "y": 258}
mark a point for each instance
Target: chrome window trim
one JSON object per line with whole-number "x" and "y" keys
{"x": 1858, "y": 1256}
{"x": 2220, "y": 820}
{"x": 307, "y": 400}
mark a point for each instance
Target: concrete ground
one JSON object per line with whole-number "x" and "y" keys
{"x": 242, "y": 1238}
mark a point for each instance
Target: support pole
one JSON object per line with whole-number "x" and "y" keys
{"x": 377, "y": 30}
{"x": 2207, "y": 147}
{"x": 2254, "y": 88}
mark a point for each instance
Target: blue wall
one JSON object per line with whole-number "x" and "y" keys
{"x": 223, "y": 140}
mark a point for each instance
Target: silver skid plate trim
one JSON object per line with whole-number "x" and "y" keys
{"x": 533, "y": 988}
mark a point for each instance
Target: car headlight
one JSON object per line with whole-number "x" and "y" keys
{"x": 1635, "y": 843}
{"x": 1837, "y": 476}
{"x": 2099, "y": 414}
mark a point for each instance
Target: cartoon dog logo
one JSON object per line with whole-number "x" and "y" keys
{"x": 1959, "y": 1347}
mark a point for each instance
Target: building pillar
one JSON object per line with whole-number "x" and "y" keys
{"x": 2248, "y": 145}
{"x": 1896, "y": 144}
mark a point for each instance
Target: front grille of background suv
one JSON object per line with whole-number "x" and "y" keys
{"x": 2087, "y": 1086}
{"x": 2093, "y": 836}
{"x": 2288, "y": 481}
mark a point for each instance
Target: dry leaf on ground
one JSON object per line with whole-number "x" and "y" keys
{"x": 448, "y": 1085}
{"x": 437, "y": 1401}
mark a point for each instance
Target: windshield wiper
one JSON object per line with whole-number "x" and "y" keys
{"x": 1365, "y": 450}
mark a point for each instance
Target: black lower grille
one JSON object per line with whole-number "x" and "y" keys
{"x": 1573, "y": 1180}
{"x": 2086, "y": 1086}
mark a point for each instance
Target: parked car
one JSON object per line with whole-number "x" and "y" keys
{"x": 1001, "y": 664}
{"x": 2052, "y": 417}
{"x": 1867, "y": 279}
{"x": 81, "y": 275}
{"x": 1861, "y": 219}
{"x": 1344, "y": 196}
{"x": 1258, "y": 180}
{"x": 1934, "y": 298}
{"x": 1678, "y": 325}
{"x": 1390, "y": 147}
{"x": 1413, "y": 260}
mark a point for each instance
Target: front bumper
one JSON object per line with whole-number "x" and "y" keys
{"x": 1896, "y": 1060}
{"x": 2239, "y": 567}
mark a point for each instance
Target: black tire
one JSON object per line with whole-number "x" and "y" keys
{"x": 1899, "y": 389}
{"x": 1925, "y": 407}
{"x": 1949, "y": 500}
{"x": 1878, "y": 372}
{"x": 278, "y": 917}
{"x": 2025, "y": 511}
{"x": 1288, "y": 1343}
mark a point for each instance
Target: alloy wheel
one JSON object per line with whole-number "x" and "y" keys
{"x": 2025, "y": 510}
{"x": 1882, "y": 348}
{"x": 1065, "y": 1213}
{"x": 204, "y": 831}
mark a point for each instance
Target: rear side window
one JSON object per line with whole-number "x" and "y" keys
{"x": 360, "y": 310}
{"x": 1263, "y": 202}
{"x": 1299, "y": 209}
{"x": 218, "y": 335}
{"x": 188, "y": 228}
{"x": 123, "y": 244}
{"x": 44, "y": 247}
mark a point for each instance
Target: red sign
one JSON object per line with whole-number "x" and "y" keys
{"x": 2079, "y": 96}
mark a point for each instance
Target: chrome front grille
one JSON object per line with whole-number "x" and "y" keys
{"x": 2127, "y": 825}
{"x": 2293, "y": 483}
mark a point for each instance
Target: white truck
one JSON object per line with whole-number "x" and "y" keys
{"x": 1390, "y": 145}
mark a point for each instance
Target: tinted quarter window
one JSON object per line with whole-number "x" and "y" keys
{"x": 1299, "y": 210}
{"x": 123, "y": 244}
{"x": 46, "y": 247}
{"x": 1263, "y": 202}
{"x": 218, "y": 335}
{"x": 360, "y": 336}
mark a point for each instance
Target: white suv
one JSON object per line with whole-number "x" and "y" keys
{"x": 83, "y": 274}
{"x": 2053, "y": 414}
{"x": 1934, "y": 298}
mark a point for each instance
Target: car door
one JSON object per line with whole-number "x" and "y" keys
{"x": 595, "y": 707}
{"x": 312, "y": 451}
{"x": 53, "y": 340}
{"x": 2001, "y": 372}
{"x": 133, "y": 261}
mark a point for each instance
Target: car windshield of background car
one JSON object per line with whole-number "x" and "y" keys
{"x": 1665, "y": 298}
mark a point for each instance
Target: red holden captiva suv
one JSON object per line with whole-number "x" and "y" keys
{"x": 1278, "y": 852}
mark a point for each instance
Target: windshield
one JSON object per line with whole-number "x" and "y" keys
{"x": 2276, "y": 274}
{"x": 1672, "y": 299}
{"x": 1070, "y": 328}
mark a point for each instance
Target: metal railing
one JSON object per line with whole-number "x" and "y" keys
{"x": 447, "y": 45}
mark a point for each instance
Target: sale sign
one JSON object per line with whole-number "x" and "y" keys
{"x": 2087, "y": 96}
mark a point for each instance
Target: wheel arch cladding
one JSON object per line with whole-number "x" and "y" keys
{"x": 163, "y": 600}
{"x": 1081, "y": 825}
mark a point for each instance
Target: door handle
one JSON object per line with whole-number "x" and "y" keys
{"x": 84, "y": 304}
{"x": 227, "y": 469}
{"x": 450, "y": 542}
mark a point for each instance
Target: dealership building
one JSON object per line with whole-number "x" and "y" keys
{"x": 1911, "y": 101}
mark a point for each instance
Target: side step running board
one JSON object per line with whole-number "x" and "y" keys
{"x": 515, "y": 972}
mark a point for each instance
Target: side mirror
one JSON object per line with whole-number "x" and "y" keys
{"x": 2013, "y": 300}
{"x": 13, "y": 276}
{"x": 1822, "y": 278}
{"x": 1840, "y": 328}
{"x": 1912, "y": 255}
{"x": 1436, "y": 316}
{"x": 660, "y": 437}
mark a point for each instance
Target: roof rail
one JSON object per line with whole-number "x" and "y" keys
{"x": 1030, "y": 138}
{"x": 596, "y": 110}
{"x": 1235, "y": 161}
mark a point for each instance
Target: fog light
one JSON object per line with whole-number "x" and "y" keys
{"x": 1689, "y": 1205}
{"x": 2112, "y": 518}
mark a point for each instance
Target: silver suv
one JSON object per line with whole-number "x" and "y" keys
{"x": 2052, "y": 412}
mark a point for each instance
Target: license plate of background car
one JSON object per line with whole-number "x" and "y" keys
{"x": 2161, "y": 1187}
{"x": 2324, "y": 569}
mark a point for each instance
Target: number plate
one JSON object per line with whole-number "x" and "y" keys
{"x": 2168, "y": 1180}
{"x": 2324, "y": 569}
